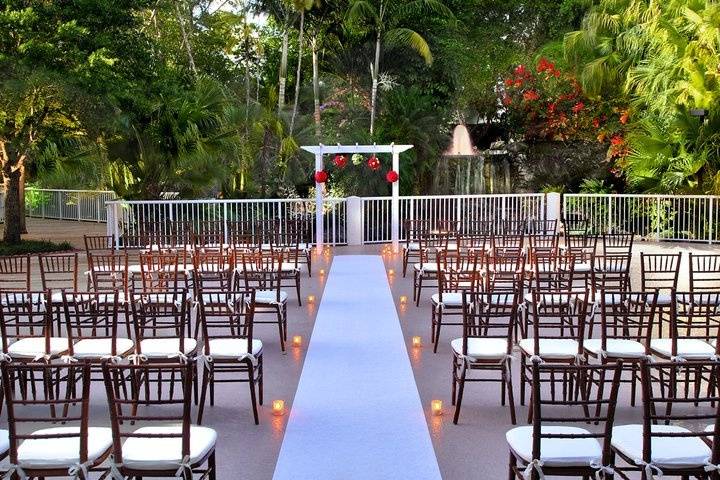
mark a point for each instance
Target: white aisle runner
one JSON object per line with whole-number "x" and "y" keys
{"x": 357, "y": 413}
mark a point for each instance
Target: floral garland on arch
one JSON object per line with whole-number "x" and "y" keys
{"x": 340, "y": 161}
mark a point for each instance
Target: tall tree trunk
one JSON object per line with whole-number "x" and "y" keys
{"x": 23, "y": 225}
{"x": 186, "y": 40}
{"x": 13, "y": 213}
{"x": 375, "y": 73}
{"x": 299, "y": 71}
{"x": 316, "y": 89}
{"x": 283, "y": 71}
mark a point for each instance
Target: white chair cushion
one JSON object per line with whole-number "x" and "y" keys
{"x": 551, "y": 299}
{"x": 426, "y": 267}
{"x": 482, "y": 348}
{"x": 412, "y": 246}
{"x": 164, "y": 298}
{"x": 165, "y": 347}
{"x": 166, "y": 453}
{"x": 35, "y": 346}
{"x": 664, "y": 300}
{"x": 269, "y": 296}
{"x": 232, "y": 348}
{"x": 551, "y": 348}
{"x": 690, "y": 348}
{"x": 667, "y": 452}
{"x": 287, "y": 267}
{"x": 63, "y": 452}
{"x": 219, "y": 297}
{"x": 502, "y": 299}
{"x": 134, "y": 269}
{"x": 4, "y": 441}
{"x": 101, "y": 347}
{"x": 555, "y": 452}
{"x": 15, "y": 299}
{"x": 616, "y": 347}
{"x": 582, "y": 267}
{"x": 450, "y": 299}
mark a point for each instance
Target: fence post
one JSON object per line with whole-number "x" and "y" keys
{"x": 79, "y": 201}
{"x": 710, "y": 222}
{"x": 98, "y": 209}
{"x": 609, "y": 218}
{"x": 354, "y": 221}
{"x": 552, "y": 206}
{"x": 657, "y": 218}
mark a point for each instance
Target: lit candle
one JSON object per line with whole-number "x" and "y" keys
{"x": 403, "y": 300}
{"x": 436, "y": 407}
{"x": 297, "y": 341}
{"x": 391, "y": 272}
{"x": 278, "y": 407}
{"x": 322, "y": 271}
{"x": 311, "y": 299}
{"x": 417, "y": 341}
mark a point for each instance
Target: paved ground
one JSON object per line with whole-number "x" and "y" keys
{"x": 474, "y": 449}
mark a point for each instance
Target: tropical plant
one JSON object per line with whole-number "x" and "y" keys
{"x": 384, "y": 18}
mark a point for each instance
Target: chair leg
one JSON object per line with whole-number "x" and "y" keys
{"x": 511, "y": 395}
{"x": 453, "y": 387}
{"x": 512, "y": 464}
{"x": 253, "y": 400}
{"x": 461, "y": 390}
{"x": 260, "y": 380}
{"x": 280, "y": 328}
{"x": 297, "y": 288}
{"x": 437, "y": 330}
{"x": 212, "y": 474}
{"x": 201, "y": 407}
{"x": 419, "y": 290}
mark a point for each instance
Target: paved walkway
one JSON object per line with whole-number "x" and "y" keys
{"x": 357, "y": 413}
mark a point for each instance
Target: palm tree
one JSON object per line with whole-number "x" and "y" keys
{"x": 384, "y": 18}
{"x": 301, "y": 6}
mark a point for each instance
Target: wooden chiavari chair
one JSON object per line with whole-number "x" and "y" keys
{"x": 288, "y": 246}
{"x": 162, "y": 327}
{"x": 27, "y": 328}
{"x": 704, "y": 273}
{"x": 554, "y": 334}
{"x": 166, "y": 444}
{"x": 661, "y": 272}
{"x": 555, "y": 444}
{"x": 693, "y": 329}
{"x": 58, "y": 272}
{"x": 544, "y": 228}
{"x": 669, "y": 442}
{"x": 447, "y": 303}
{"x": 241, "y": 234}
{"x": 300, "y": 233}
{"x": 159, "y": 272}
{"x": 486, "y": 344}
{"x": 92, "y": 324}
{"x": 507, "y": 244}
{"x": 230, "y": 350}
{"x": 514, "y": 227}
{"x": 414, "y": 229}
{"x": 266, "y": 233}
{"x": 619, "y": 244}
{"x": 213, "y": 269}
{"x": 261, "y": 271}
{"x": 95, "y": 244}
{"x": 73, "y": 449}
{"x": 627, "y": 320}
{"x": 15, "y": 273}
{"x": 427, "y": 268}
{"x": 108, "y": 273}
{"x": 582, "y": 247}
{"x": 575, "y": 225}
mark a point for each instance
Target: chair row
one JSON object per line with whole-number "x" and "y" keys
{"x": 679, "y": 435}
{"x": 148, "y": 435}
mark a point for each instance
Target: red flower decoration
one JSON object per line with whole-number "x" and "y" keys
{"x": 520, "y": 70}
{"x": 509, "y": 82}
{"x": 531, "y": 95}
{"x": 544, "y": 65}
{"x": 321, "y": 176}
{"x": 616, "y": 140}
{"x": 577, "y": 108}
{"x": 624, "y": 118}
{"x": 340, "y": 161}
{"x": 373, "y": 162}
{"x": 392, "y": 176}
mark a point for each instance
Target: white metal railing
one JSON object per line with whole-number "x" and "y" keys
{"x": 80, "y": 205}
{"x": 661, "y": 217}
{"x": 465, "y": 209}
{"x": 129, "y": 218}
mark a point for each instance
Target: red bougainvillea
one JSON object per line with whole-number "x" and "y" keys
{"x": 547, "y": 104}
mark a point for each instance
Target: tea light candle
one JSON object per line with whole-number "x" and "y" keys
{"x": 417, "y": 341}
{"x": 391, "y": 272}
{"x": 403, "y": 300}
{"x": 297, "y": 341}
{"x": 278, "y": 407}
{"x": 322, "y": 271}
{"x": 311, "y": 299}
{"x": 436, "y": 407}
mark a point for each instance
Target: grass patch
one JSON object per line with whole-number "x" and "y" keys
{"x": 33, "y": 246}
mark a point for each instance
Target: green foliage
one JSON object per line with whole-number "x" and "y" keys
{"x": 662, "y": 57}
{"x": 33, "y": 246}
